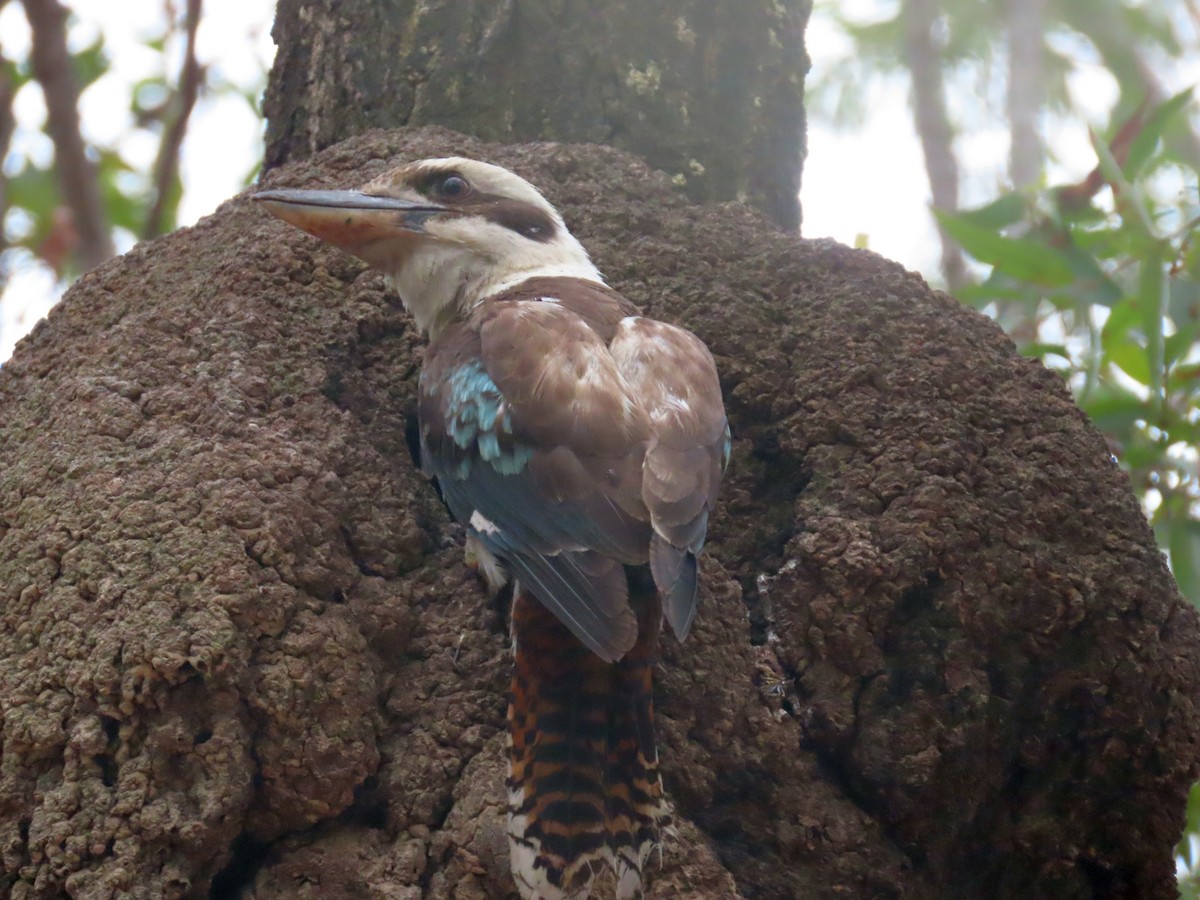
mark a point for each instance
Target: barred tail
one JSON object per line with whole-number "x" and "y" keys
{"x": 583, "y": 786}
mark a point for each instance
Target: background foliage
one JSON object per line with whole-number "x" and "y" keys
{"x": 132, "y": 99}
{"x": 1097, "y": 273}
{"x": 1098, "y": 277}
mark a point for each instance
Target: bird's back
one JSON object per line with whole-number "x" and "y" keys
{"x": 581, "y": 445}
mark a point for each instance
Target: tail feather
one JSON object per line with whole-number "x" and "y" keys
{"x": 584, "y": 789}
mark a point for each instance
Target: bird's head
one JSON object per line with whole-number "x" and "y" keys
{"x": 448, "y": 232}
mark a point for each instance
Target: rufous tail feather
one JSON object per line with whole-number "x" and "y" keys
{"x": 584, "y": 791}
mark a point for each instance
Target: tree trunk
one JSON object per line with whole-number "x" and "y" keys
{"x": 923, "y": 57}
{"x": 708, "y": 91}
{"x": 1025, "y": 96}
{"x": 79, "y": 187}
{"x": 937, "y": 655}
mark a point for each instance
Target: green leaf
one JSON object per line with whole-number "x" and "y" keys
{"x": 977, "y": 296}
{"x": 124, "y": 195}
{"x": 1152, "y": 299}
{"x": 1024, "y": 259}
{"x": 1123, "y": 317}
{"x": 1187, "y": 885}
{"x": 1007, "y": 209}
{"x": 884, "y": 37}
{"x": 1141, "y": 453}
{"x": 1041, "y": 351}
{"x": 1143, "y": 146}
{"x": 1193, "y": 809}
{"x": 149, "y": 96}
{"x": 1181, "y": 431}
{"x": 1131, "y": 358}
{"x": 35, "y": 191}
{"x": 1183, "y": 542}
{"x": 1091, "y": 284}
{"x": 1179, "y": 345}
{"x": 1114, "y": 409}
{"x": 1135, "y": 217}
{"x": 1185, "y": 377}
{"x": 90, "y": 63}
{"x": 1183, "y": 305}
{"x": 17, "y": 75}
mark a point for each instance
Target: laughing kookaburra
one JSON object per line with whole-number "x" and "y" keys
{"x": 581, "y": 446}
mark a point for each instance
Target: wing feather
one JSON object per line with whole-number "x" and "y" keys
{"x": 672, "y": 373}
{"x": 527, "y": 422}
{"x": 584, "y": 439}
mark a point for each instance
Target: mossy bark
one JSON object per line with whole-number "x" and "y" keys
{"x": 938, "y": 654}
{"x": 711, "y": 92}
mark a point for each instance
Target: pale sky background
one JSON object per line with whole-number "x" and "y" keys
{"x": 868, "y": 182}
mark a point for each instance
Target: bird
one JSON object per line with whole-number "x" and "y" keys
{"x": 581, "y": 446}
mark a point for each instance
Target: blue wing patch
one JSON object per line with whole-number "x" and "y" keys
{"x": 474, "y": 412}
{"x": 569, "y": 554}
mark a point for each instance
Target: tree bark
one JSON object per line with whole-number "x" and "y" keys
{"x": 710, "y": 92}
{"x": 938, "y": 653}
{"x": 78, "y": 180}
{"x": 176, "y": 114}
{"x": 923, "y": 59}
{"x": 1025, "y": 96}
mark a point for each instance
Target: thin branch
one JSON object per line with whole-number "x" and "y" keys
{"x": 1026, "y": 65}
{"x": 77, "y": 175}
{"x": 1075, "y": 197}
{"x": 932, "y": 122}
{"x": 166, "y": 167}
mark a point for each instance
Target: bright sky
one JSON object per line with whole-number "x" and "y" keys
{"x": 868, "y": 183}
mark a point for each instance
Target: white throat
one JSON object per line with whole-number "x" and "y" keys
{"x": 585, "y": 271}
{"x": 441, "y": 282}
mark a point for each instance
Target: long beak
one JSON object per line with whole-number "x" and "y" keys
{"x": 372, "y": 228}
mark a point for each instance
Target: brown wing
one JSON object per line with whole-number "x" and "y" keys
{"x": 539, "y": 447}
{"x": 598, "y": 305}
{"x": 674, "y": 377}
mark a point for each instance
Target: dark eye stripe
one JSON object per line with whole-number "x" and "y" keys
{"x": 525, "y": 219}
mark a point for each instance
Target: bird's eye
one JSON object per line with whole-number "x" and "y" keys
{"x": 453, "y": 187}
